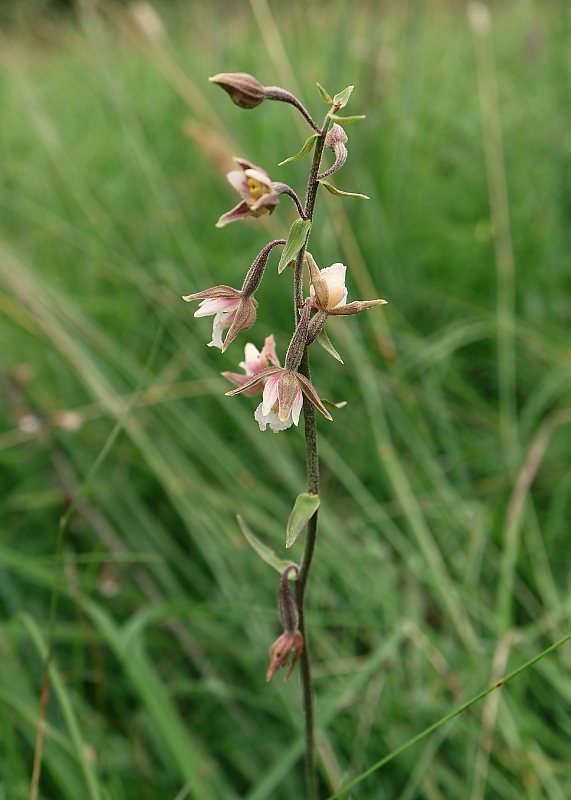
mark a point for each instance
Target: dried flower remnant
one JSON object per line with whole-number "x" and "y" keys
{"x": 254, "y": 362}
{"x": 291, "y": 640}
{"x": 258, "y": 194}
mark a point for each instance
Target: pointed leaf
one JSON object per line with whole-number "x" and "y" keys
{"x": 295, "y": 241}
{"x": 265, "y": 553}
{"x": 347, "y": 120}
{"x": 342, "y": 98}
{"x": 325, "y": 95}
{"x": 307, "y": 148}
{"x": 331, "y": 404}
{"x": 325, "y": 342}
{"x": 304, "y": 508}
{"x": 339, "y": 193}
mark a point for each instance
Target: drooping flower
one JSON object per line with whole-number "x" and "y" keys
{"x": 283, "y": 397}
{"x": 258, "y": 194}
{"x": 280, "y": 650}
{"x": 231, "y": 309}
{"x": 291, "y": 639}
{"x": 328, "y": 292}
{"x": 254, "y": 362}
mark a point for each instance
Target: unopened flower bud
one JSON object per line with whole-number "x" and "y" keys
{"x": 316, "y": 326}
{"x": 244, "y": 90}
{"x": 335, "y": 136}
{"x": 335, "y": 140}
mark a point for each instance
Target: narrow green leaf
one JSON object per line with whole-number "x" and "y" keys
{"x": 332, "y": 405}
{"x": 303, "y": 509}
{"x": 265, "y": 553}
{"x": 307, "y": 148}
{"x": 325, "y": 342}
{"x": 325, "y": 95}
{"x": 342, "y": 98}
{"x": 339, "y": 193}
{"x": 347, "y": 120}
{"x": 295, "y": 240}
{"x": 342, "y": 791}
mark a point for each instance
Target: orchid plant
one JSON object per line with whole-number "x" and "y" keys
{"x": 286, "y": 390}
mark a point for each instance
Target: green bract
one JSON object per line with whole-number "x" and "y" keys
{"x": 342, "y": 98}
{"x": 325, "y": 342}
{"x": 339, "y": 193}
{"x": 324, "y": 94}
{"x": 295, "y": 241}
{"x": 304, "y": 508}
{"x": 307, "y": 148}
{"x": 347, "y": 120}
{"x": 265, "y": 553}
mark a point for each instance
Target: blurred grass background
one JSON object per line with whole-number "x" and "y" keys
{"x": 444, "y": 551}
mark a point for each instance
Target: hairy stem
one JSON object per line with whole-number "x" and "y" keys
{"x": 277, "y": 93}
{"x": 312, "y": 476}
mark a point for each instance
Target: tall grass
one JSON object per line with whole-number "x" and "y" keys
{"x": 444, "y": 555}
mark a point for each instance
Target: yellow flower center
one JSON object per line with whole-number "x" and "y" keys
{"x": 257, "y": 189}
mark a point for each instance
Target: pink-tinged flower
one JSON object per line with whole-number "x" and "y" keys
{"x": 328, "y": 292}
{"x": 254, "y": 362}
{"x": 231, "y": 309}
{"x": 282, "y": 399}
{"x": 280, "y": 650}
{"x": 256, "y": 189}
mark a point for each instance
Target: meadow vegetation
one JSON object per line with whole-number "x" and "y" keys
{"x": 444, "y": 553}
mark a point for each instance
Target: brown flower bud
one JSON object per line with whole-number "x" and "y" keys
{"x": 244, "y": 90}
{"x": 335, "y": 140}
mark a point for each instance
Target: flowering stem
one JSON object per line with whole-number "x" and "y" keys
{"x": 312, "y": 477}
{"x": 283, "y": 188}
